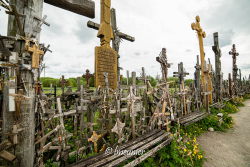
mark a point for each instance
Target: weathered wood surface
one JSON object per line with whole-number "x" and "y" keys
{"x": 81, "y": 7}
{"x": 102, "y": 156}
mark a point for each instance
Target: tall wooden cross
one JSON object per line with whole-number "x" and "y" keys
{"x": 162, "y": 59}
{"x": 218, "y": 75}
{"x": 201, "y": 34}
{"x": 117, "y": 35}
{"x": 234, "y": 54}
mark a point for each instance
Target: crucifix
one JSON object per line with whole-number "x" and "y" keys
{"x": 218, "y": 75}
{"x": 234, "y": 54}
{"x": 181, "y": 74}
{"x": 87, "y": 77}
{"x": 162, "y": 59}
{"x": 117, "y": 36}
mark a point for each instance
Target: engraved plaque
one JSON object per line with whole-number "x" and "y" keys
{"x": 105, "y": 61}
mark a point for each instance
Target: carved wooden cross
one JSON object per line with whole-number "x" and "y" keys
{"x": 181, "y": 74}
{"x": 162, "y": 59}
{"x": 201, "y": 34}
{"x": 218, "y": 76}
{"x": 36, "y": 53}
{"x": 234, "y": 54}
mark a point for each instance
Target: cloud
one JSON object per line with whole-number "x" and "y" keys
{"x": 83, "y": 33}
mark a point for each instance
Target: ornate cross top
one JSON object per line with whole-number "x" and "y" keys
{"x": 196, "y": 26}
{"x": 233, "y": 52}
{"x": 105, "y": 31}
{"x": 162, "y": 59}
{"x": 201, "y": 34}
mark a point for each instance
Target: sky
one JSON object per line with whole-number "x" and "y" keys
{"x": 154, "y": 24}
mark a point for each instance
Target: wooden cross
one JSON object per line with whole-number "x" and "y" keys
{"x": 201, "y": 34}
{"x": 63, "y": 83}
{"x": 181, "y": 74}
{"x": 143, "y": 76}
{"x": 94, "y": 139}
{"x": 118, "y": 128}
{"x": 162, "y": 59}
{"x": 218, "y": 75}
{"x": 36, "y": 54}
{"x": 234, "y": 54}
{"x": 19, "y": 98}
{"x": 87, "y": 76}
{"x": 131, "y": 99}
{"x": 117, "y": 34}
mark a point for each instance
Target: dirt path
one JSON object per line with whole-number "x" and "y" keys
{"x": 230, "y": 149}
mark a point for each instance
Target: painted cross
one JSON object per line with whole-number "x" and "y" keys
{"x": 234, "y": 54}
{"x": 218, "y": 75}
{"x": 118, "y": 36}
{"x": 36, "y": 54}
{"x": 94, "y": 139}
{"x": 162, "y": 59}
{"x": 201, "y": 34}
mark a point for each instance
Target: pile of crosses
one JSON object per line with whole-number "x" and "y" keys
{"x": 38, "y": 127}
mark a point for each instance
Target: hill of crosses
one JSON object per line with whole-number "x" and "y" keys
{"x": 105, "y": 119}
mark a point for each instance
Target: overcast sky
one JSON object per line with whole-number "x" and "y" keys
{"x": 154, "y": 24}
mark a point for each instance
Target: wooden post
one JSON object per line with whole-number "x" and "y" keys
{"x": 25, "y": 150}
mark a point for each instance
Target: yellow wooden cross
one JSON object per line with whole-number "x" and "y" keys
{"x": 105, "y": 32}
{"x": 204, "y": 76}
{"x": 36, "y": 53}
{"x": 94, "y": 139}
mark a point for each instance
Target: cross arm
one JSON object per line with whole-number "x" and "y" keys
{"x": 124, "y": 36}
{"x": 81, "y": 7}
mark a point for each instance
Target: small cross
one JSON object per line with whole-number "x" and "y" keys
{"x": 87, "y": 76}
{"x": 94, "y": 139}
{"x": 36, "y": 53}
